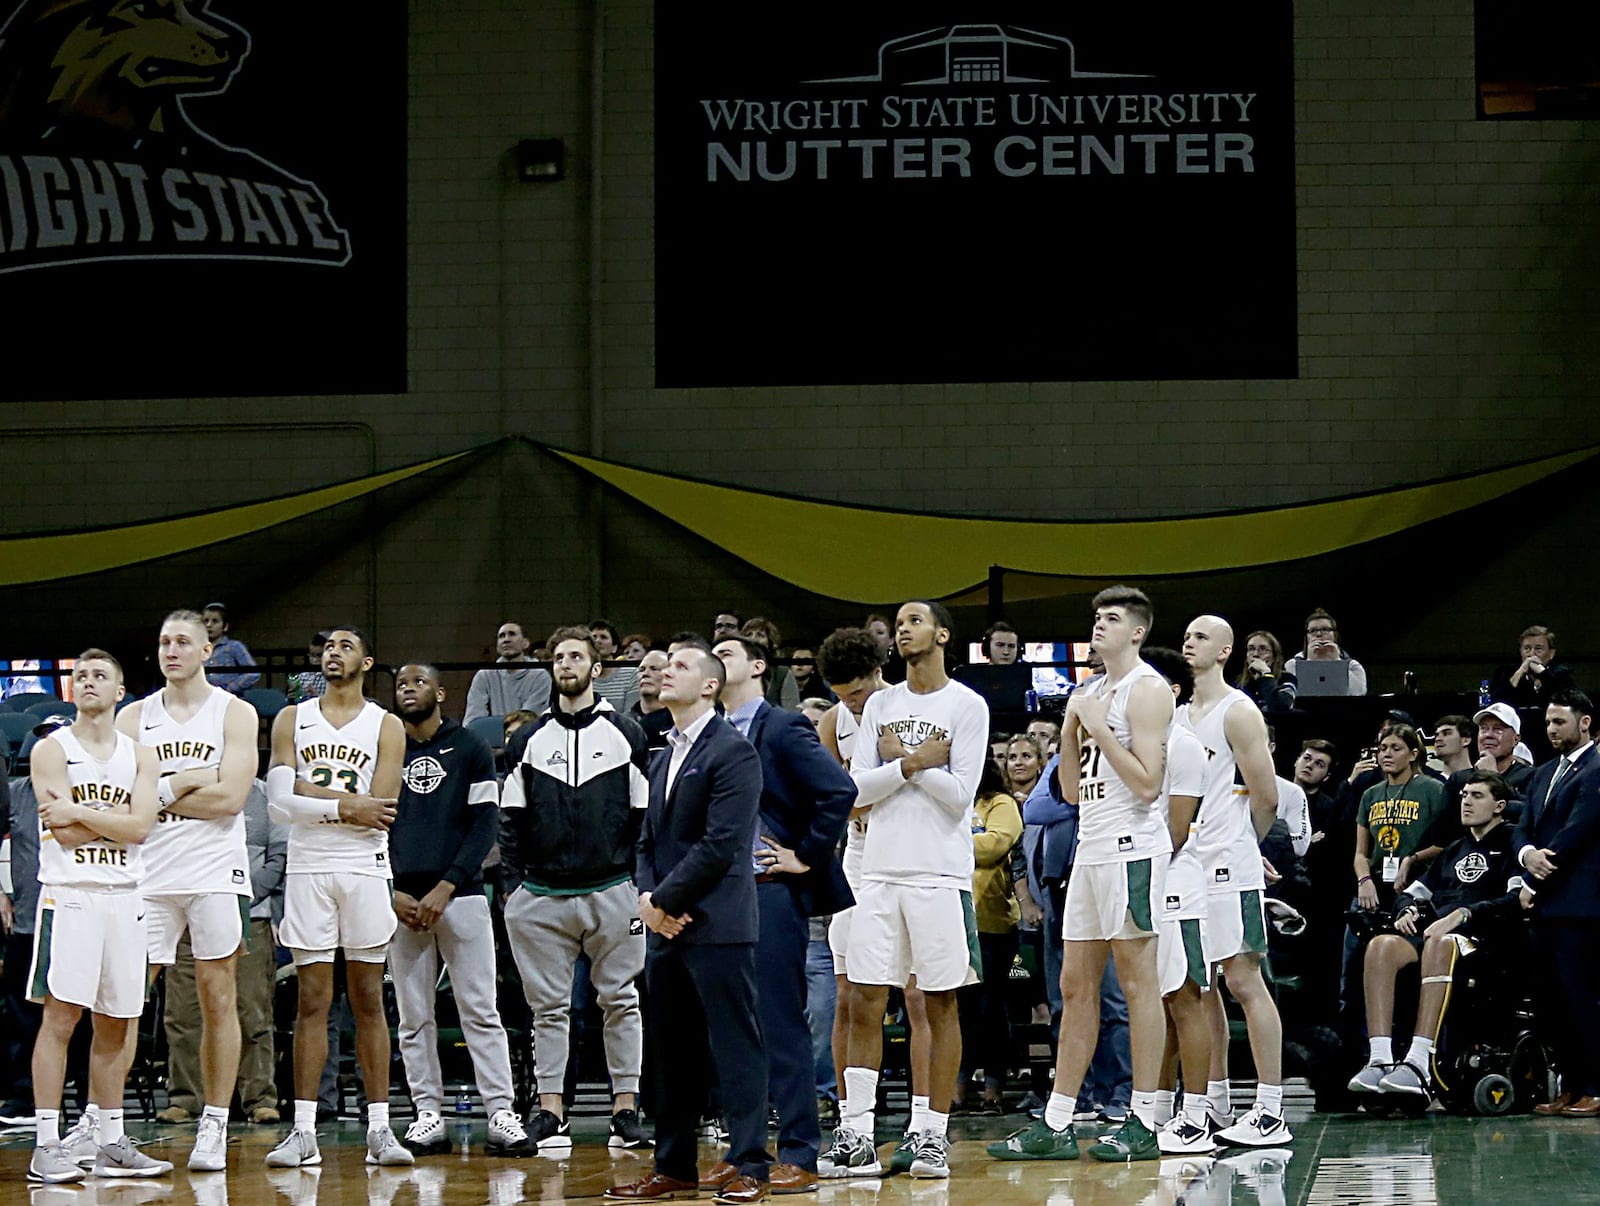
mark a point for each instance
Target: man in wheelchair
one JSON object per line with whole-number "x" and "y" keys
{"x": 1466, "y": 898}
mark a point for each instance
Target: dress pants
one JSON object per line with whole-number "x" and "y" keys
{"x": 255, "y": 970}
{"x": 703, "y": 1014}
{"x": 22, "y": 1019}
{"x": 781, "y": 1002}
{"x": 1572, "y": 968}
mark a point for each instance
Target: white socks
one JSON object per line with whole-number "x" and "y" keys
{"x": 377, "y": 1115}
{"x": 47, "y": 1127}
{"x": 1058, "y": 1111}
{"x": 861, "y": 1091}
{"x": 1270, "y": 1099}
{"x": 1381, "y": 1050}
{"x": 110, "y": 1127}
{"x": 305, "y": 1116}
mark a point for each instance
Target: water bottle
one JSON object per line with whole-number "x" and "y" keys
{"x": 1483, "y": 694}
{"x": 463, "y": 1103}
{"x": 1030, "y": 700}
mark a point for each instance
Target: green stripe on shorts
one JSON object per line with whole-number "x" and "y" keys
{"x": 40, "y": 988}
{"x": 244, "y": 924}
{"x": 969, "y": 917}
{"x": 1255, "y": 923}
{"x": 1193, "y": 953}
{"x": 1139, "y": 895}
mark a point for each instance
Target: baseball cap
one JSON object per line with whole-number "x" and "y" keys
{"x": 1502, "y": 712}
{"x": 50, "y": 724}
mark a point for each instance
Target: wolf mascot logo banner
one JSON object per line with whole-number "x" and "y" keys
{"x": 164, "y": 146}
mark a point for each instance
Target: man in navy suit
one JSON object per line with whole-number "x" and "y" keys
{"x": 806, "y": 799}
{"x": 1558, "y": 845}
{"x": 697, "y": 897}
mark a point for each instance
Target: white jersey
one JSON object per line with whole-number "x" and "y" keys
{"x": 344, "y": 760}
{"x": 846, "y": 729}
{"x": 1225, "y": 837}
{"x": 1114, "y": 825}
{"x": 191, "y": 855}
{"x": 921, "y": 830}
{"x": 1295, "y": 812}
{"x": 1185, "y": 776}
{"x": 100, "y": 863}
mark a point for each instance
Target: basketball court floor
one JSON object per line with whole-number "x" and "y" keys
{"x": 1351, "y": 1160}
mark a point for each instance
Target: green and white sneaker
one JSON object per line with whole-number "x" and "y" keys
{"x": 905, "y": 1152}
{"x": 933, "y": 1157}
{"x": 122, "y": 1159}
{"x": 1131, "y": 1141}
{"x": 1037, "y": 1141}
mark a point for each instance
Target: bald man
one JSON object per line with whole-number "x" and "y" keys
{"x": 1240, "y": 802}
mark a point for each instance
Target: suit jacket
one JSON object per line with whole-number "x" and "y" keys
{"x": 1569, "y": 825}
{"x": 694, "y": 845}
{"x": 806, "y": 799}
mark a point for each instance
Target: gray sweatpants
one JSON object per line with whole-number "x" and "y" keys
{"x": 465, "y": 937}
{"x": 547, "y": 935}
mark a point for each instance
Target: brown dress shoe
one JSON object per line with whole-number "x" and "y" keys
{"x": 791, "y": 1178}
{"x": 721, "y": 1173}
{"x": 1583, "y": 1107}
{"x": 264, "y": 1115}
{"x": 1550, "y": 1108}
{"x": 741, "y": 1191}
{"x": 654, "y": 1188}
{"x": 173, "y": 1114}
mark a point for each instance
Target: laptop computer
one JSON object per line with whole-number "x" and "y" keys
{"x": 1323, "y": 678}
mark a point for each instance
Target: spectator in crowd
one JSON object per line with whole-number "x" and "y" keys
{"x": 500, "y": 692}
{"x": 1023, "y": 764}
{"x": 814, "y": 709}
{"x": 619, "y": 685}
{"x": 1558, "y": 846}
{"x": 309, "y": 683}
{"x": 445, "y": 825}
{"x": 1452, "y": 744}
{"x": 726, "y": 624}
{"x": 1001, "y": 644}
{"x": 1472, "y": 890}
{"x": 1264, "y": 679}
{"x": 648, "y": 710}
{"x": 266, "y": 842}
{"x": 1395, "y": 818}
{"x": 1327, "y": 863}
{"x": 1322, "y": 645}
{"x": 894, "y": 666}
{"x": 634, "y": 646}
{"x": 985, "y": 1025}
{"x": 806, "y": 678}
{"x": 806, "y": 799}
{"x": 998, "y": 741}
{"x": 1047, "y": 733}
{"x": 1536, "y": 676}
{"x": 568, "y": 841}
{"x": 782, "y": 691}
{"x": 227, "y": 653}
{"x": 1499, "y": 733}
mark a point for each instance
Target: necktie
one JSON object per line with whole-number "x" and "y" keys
{"x": 1561, "y": 769}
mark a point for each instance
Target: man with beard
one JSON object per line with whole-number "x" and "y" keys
{"x": 335, "y": 781}
{"x": 573, "y": 809}
{"x": 444, "y": 827}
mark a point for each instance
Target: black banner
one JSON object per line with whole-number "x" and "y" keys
{"x": 202, "y": 197}
{"x": 926, "y": 192}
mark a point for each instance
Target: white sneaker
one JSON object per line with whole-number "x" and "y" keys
{"x": 123, "y": 1159}
{"x": 210, "y": 1146}
{"x": 297, "y": 1149}
{"x": 427, "y": 1135}
{"x": 51, "y": 1165}
{"x": 383, "y": 1148}
{"x": 933, "y": 1157}
{"x": 1370, "y": 1078}
{"x": 1180, "y": 1137}
{"x": 1257, "y": 1129}
{"x": 506, "y": 1135}
{"x": 82, "y": 1143}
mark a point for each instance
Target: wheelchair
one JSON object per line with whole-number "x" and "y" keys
{"x": 1490, "y": 1058}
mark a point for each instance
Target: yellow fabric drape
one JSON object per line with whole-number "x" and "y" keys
{"x": 30, "y": 559}
{"x": 867, "y": 555}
